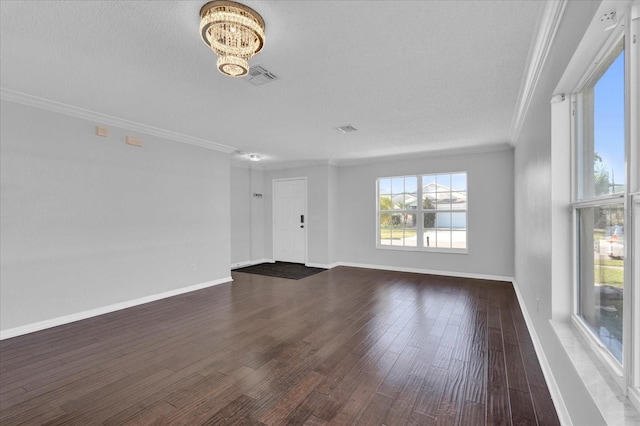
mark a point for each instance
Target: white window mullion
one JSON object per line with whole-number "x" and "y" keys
{"x": 420, "y": 216}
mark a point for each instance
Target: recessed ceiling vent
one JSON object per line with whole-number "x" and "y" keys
{"x": 346, "y": 129}
{"x": 259, "y": 75}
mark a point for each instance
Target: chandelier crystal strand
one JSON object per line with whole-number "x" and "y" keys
{"x": 234, "y": 32}
{"x": 232, "y": 66}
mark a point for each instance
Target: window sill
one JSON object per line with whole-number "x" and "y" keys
{"x": 424, "y": 249}
{"x": 614, "y": 406}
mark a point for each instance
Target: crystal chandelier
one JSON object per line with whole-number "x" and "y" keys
{"x": 234, "y": 32}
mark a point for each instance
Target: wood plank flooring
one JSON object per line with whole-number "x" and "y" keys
{"x": 346, "y": 346}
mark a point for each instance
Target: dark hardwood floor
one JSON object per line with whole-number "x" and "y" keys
{"x": 346, "y": 346}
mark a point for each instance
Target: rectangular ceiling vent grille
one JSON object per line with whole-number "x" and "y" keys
{"x": 259, "y": 75}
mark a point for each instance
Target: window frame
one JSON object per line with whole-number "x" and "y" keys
{"x": 626, "y": 373}
{"x": 419, "y": 211}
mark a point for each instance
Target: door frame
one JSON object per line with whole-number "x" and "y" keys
{"x": 306, "y": 215}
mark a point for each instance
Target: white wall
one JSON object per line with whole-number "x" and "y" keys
{"x": 535, "y": 187}
{"x": 333, "y": 213}
{"x": 247, "y": 214}
{"x": 241, "y": 214}
{"x": 257, "y": 214}
{"x": 341, "y": 213}
{"x": 88, "y": 222}
{"x": 490, "y": 215}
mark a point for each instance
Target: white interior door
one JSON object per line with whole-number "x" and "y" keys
{"x": 290, "y": 220}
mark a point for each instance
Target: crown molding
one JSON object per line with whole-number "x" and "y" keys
{"x": 547, "y": 29}
{"x": 380, "y": 159}
{"x": 297, "y": 164}
{"x": 246, "y": 164}
{"x": 85, "y": 114}
{"x": 61, "y": 108}
{"x": 430, "y": 154}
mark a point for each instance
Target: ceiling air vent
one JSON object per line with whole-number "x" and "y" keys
{"x": 346, "y": 129}
{"x": 259, "y": 75}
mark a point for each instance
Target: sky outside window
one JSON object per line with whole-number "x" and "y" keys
{"x": 609, "y": 121}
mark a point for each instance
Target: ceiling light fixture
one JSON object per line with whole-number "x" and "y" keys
{"x": 254, "y": 157}
{"x": 234, "y": 32}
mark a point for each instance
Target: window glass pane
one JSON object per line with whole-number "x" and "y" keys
{"x": 397, "y": 185}
{"x": 459, "y": 239}
{"x": 411, "y": 196}
{"x": 458, "y": 200}
{"x": 459, "y": 220}
{"x": 443, "y": 220}
{"x": 396, "y": 225}
{"x": 397, "y": 201}
{"x": 411, "y": 201}
{"x": 429, "y": 220}
{"x": 601, "y": 282}
{"x": 443, "y": 200}
{"x": 428, "y": 183}
{"x": 444, "y": 238}
{"x": 608, "y": 132}
{"x": 410, "y": 230}
{"x": 429, "y": 238}
{"x": 429, "y": 201}
{"x": 385, "y": 229}
{"x": 411, "y": 184}
{"x": 601, "y": 133}
{"x": 384, "y": 186}
{"x": 444, "y": 182}
{"x": 385, "y": 202}
{"x": 459, "y": 182}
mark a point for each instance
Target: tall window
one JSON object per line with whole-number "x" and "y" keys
{"x": 423, "y": 212}
{"x": 600, "y": 202}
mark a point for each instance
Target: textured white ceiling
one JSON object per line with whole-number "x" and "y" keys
{"x": 411, "y": 76}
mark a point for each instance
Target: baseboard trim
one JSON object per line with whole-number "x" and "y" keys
{"x": 554, "y": 389}
{"x": 323, "y": 265}
{"x": 67, "y": 319}
{"x": 250, "y": 263}
{"x": 383, "y": 268}
{"x": 427, "y": 271}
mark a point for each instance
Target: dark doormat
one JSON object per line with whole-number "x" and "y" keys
{"x": 292, "y": 271}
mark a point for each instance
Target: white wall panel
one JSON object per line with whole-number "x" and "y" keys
{"x": 89, "y": 222}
